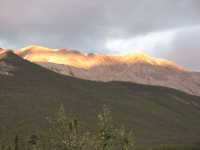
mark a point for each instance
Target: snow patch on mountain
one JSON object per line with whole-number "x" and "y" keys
{"x": 26, "y": 56}
{"x": 55, "y": 49}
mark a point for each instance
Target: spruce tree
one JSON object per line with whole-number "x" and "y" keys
{"x": 9, "y": 140}
{"x": 3, "y": 144}
{"x": 76, "y": 127}
{"x": 32, "y": 140}
{"x": 16, "y": 141}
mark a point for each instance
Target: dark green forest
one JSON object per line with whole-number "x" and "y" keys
{"x": 159, "y": 117}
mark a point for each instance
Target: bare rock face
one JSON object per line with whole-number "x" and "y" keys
{"x": 5, "y": 68}
{"x": 136, "y": 67}
{"x": 2, "y": 50}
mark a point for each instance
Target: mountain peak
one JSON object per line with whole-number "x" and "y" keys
{"x": 76, "y": 59}
{"x": 140, "y": 57}
{"x": 136, "y": 55}
{"x": 33, "y": 47}
{"x": 135, "y": 67}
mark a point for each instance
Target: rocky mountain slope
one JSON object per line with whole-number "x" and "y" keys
{"x": 136, "y": 67}
{"x": 5, "y": 68}
{"x": 159, "y": 117}
{"x": 2, "y": 50}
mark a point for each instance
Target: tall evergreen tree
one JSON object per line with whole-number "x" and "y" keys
{"x": 76, "y": 126}
{"x": 16, "y": 141}
{"x": 9, "y": 140}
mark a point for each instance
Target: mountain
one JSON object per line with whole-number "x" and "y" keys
{"x": 159, "y": 117}
{"x": 2, "y": 50}
{"x": 136, "y": 67}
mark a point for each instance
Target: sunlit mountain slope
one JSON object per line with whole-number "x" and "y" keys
{"x": 159, "y": 117}
{"x": 136, "y": 67}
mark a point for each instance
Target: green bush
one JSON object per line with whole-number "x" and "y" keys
{"x": 70, "y": 139}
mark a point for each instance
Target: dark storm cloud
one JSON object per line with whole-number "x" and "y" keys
{"x": 87, "y": 25}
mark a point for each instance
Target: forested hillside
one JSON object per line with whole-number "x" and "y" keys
{"x": 158, "y": 117}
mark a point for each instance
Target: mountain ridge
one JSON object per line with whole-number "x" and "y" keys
{"x": 160, "y": 117}
{"x": 135, "y": 67}
{"x": 127, "y": 58}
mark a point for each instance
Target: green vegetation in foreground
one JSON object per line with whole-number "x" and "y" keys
{"x": 69, "y": 138}
{"x": 159, "y": 117}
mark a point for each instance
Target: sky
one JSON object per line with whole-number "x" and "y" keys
{"x": 168, "y": 29}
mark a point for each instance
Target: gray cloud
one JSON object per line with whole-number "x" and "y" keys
{"x": 183, "y": 48}
{"x": 87, "y": 25}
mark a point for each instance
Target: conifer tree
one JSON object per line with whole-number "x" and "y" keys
{"x": 16, "y": 141}
{"x": 3, "y": 145}
{"x": 76, "y": 127}
{"x": 32, "y": 141}
{"x": 43, "y": 142}
{"x": 9, "y": 140}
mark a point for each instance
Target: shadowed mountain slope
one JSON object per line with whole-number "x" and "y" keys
{"x": 159, "y": 117}
{"x": 136, "y": 67}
